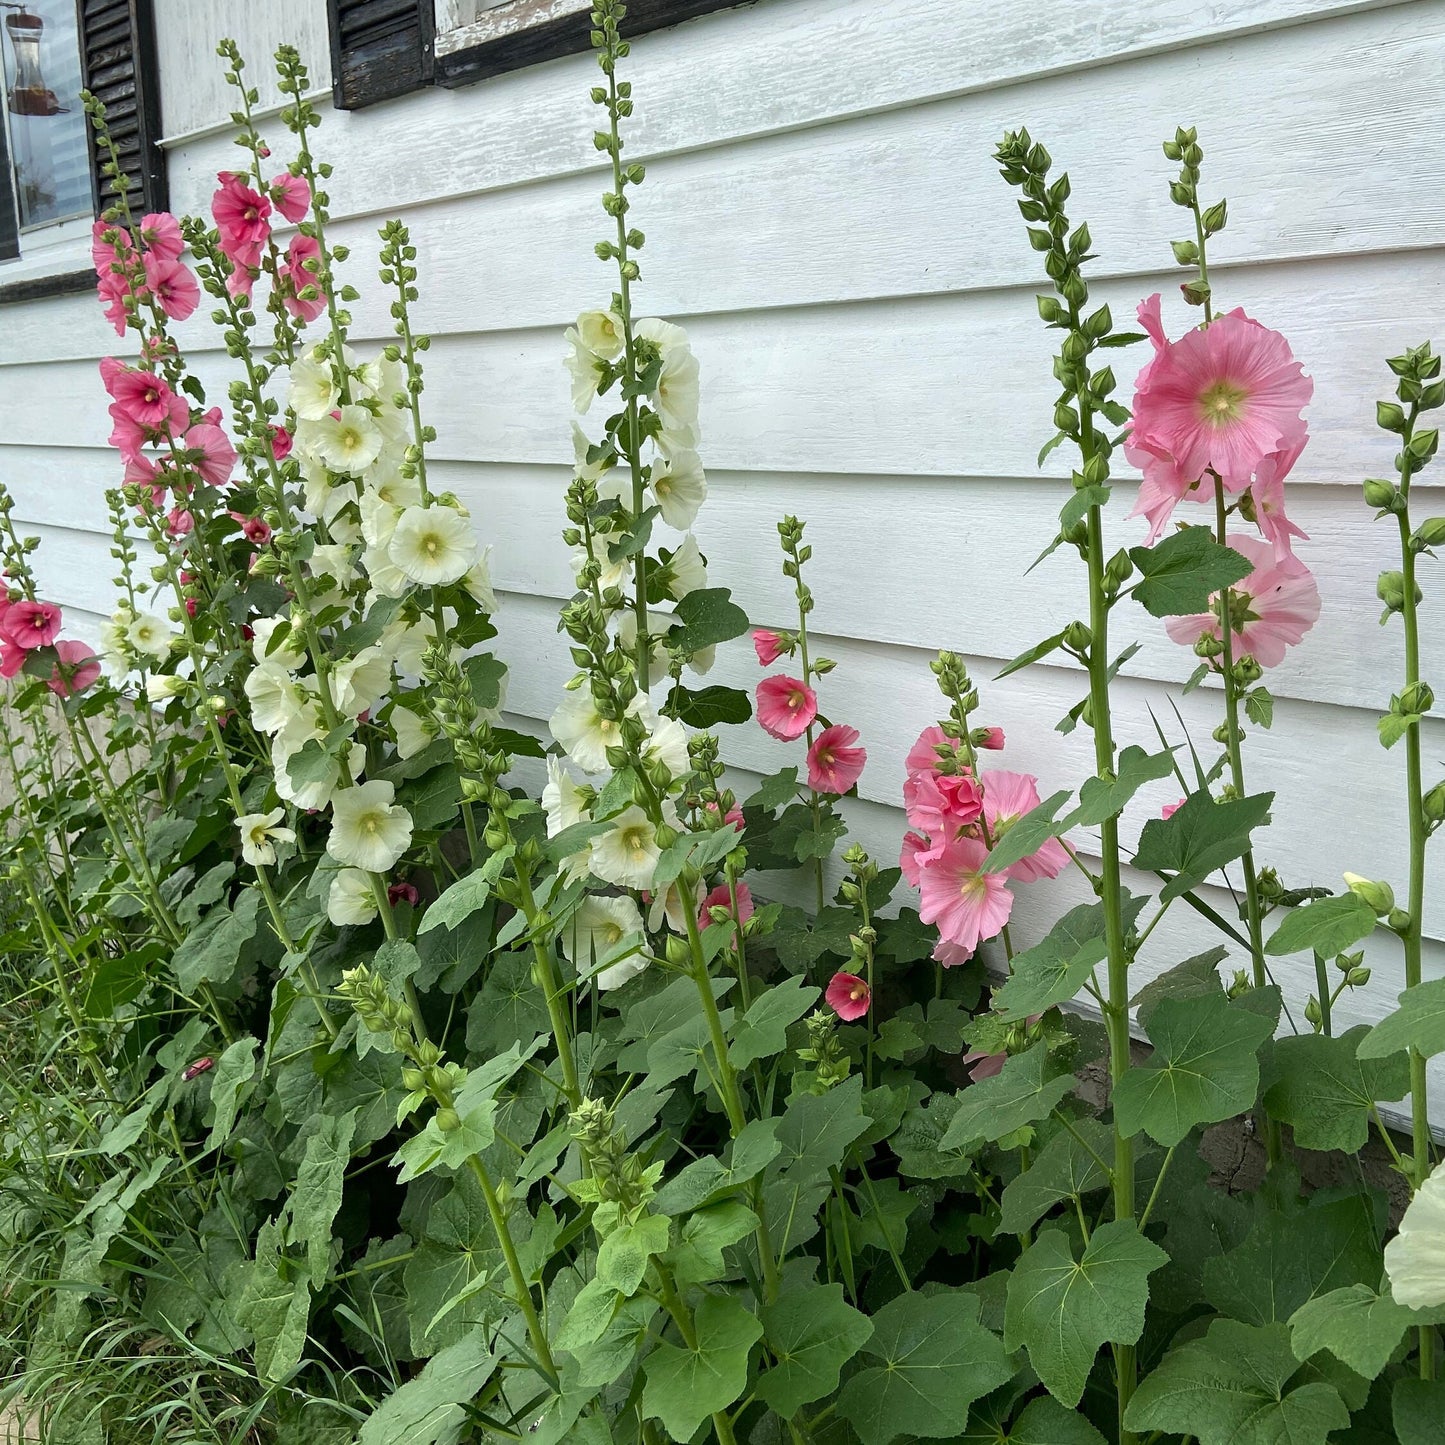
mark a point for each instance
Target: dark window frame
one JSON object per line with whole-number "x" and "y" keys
{"x": 382, "y": 49}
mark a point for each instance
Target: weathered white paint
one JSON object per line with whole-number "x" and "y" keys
{"x": 823, "y": 213}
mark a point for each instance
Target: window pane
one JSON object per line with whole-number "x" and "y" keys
{"x": 48, "y": 150}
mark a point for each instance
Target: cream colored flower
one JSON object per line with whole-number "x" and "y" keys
{"x": 350, "y": 900}
{"x": 287, "y": 655}
{"x": 313, "y": 392}
{"x": 581, "y": 445}
{"x": 601, "y": 333}
{"x": 368, "y": 829}
{"x": 150, "y": 634}
{"x": 562, "y": 799}
{"x": 672, "y": 908}
{"x": 678, "y": 392}
{"x": 687, "y": 568}
{"x": 596, "y": 931}
{"x": 361, "y": 682}
{"x": 413, "y": 732}
{"x": 276, "y": 697}
{"x": 657, "y": 664}
{"x": 387, "y": 579}
{"x": 348, "y": 442}
{"x": 162, "y": 686}
{"x": 406, "y": 642}
{"x": 680, "y": 486}
{"x": 610, "y": 573}
{"x": 584, "y": 734}
{"x": 478, "y": 582}
{"x": 585, "y": 368}
{"x": 260, "y": 834}
{"x": 1415, "y": 1258}
{"x": 433, "y": 546}
{"x": 627, "y": 854}
{"x": 333, "y": 560}
{"x": 668, "y": 746}
{"x": 381, "y": 379}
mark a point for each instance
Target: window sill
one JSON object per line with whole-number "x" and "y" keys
{"x": 59, "y": 266}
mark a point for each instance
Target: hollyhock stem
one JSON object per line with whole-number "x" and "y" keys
{"x": 791, "y": 531}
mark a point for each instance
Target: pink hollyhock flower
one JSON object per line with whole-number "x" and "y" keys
{"x": 834, "y": 764}
{"x": 113, "y": 289}
{"x": 403, "y": 893}
{"x": 734, "y": 815}
{"x": 301, "y": 250}
{"x": 108, "y": 241}
{"x": 967, "y": 905}
{"x": 179, "y": 523}
{"x": 32, "y": 624}
{"x": 171, "y": 282}
{"x": 917, "y": 852}
{"x": 721, "y": 898}
{"x": 768, "y": 646}
{"x": 240, "y": 281}
{"x": 985, "y": 1065}
{"x": 848, "y": 996}
{"x": 1268, "y": 496}
{"x": 940, "y": 804}
{"x": 254, "y": 529}
{"x": 1221, "y": 399}
{"x": 1269, "y": 611}
{"x": 146, "y": 399}
{"x": 786, "y": 707}
{"x": 950, "y": 955}
{"x": 280, "y": 443}
{"x": 142, "y": 471}
{"x": 208, "y": 451}
{"x": 241, "y": 217}
{"x": 291, "y": 195}
{"x": 991, "y": 741}
{"x": 1006, "y": 798}
{"x": 923, "y": 755}
{"x": 12, "y": 658}
{"x": 1169, "y": 809}
{"x": 77, "y": 668}
{"x": 160, "y": 234}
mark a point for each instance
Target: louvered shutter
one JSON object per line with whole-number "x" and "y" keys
{"x": 9, "y": 217}
{"x": 379, "y": 49}
{"x": 118, "y": 63}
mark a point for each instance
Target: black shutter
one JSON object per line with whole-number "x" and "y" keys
{"x": 379, "y": 49}
{"x": 9, "y": 216}
{"x": 118, "y": 65}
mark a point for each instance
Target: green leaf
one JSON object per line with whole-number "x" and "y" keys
{"x": 1020, "y": 1094}
{"x": 775, "y": 791}
{"x": 1028, "y": 834}
{"x": 708, "y": 616}
{"x": 209, "y": 953}
{"x": 1418, "y": 1407}
{"x": 1032, "y": 654}
{"x": 816, "y": 1130}
{"x": 1325, "y": 925}
{"x": 1419, "y": 1023}
{"x": 1259, "y": 707}
{"x": 936, "y": 1360}
{"x": 1061, "y": 1310}
{"x": 1204, "y": 1068}
{"x": 1063, "y": 1169}
{"x": 319, "y": 1181}
{"x": 1194, "y": 978}
{"x": 684, "y": 1386}
{"x": 1199, "y": 837}
{"x": 697, "y": 1257}
{"x": 1182, "y": 572}
{"x": 274, "y": 1305}
{"x": 707, "y": 707}
{"x": 1394, "y": 725}
{"x": 763, "y": 1029}
{"x": 427, "y": 1409}
{"x": 461, "y": 900}
{"x": 812, "y": 1333}
{"x": 234, "y": 1070}
{"x": 1239, "y": 1385}
{"x": 623, "y": 1255}
{"x": 1102, "y": 798}
{"x": 1060, "y": 964}
{"x": 1358, "y": 1325}
{"x": 1324, "y": 1092}
{"x": 1046, "y": 1422}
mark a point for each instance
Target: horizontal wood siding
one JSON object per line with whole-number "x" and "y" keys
{"x": 823, "y": 215}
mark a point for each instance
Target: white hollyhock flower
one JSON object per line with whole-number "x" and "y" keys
{"x": 345, "y": 526}
{"x": 381, "y": 379}
{"x": 162, "y": 686}
{"x": 671, "y": 907}
{"x": 150, "y": 634}
{"x": 435, "y": 546}
{"x": 702, "y": 660}
{"x": 387, "y": 579}
{"x": 406, "y": 642}
{"x": 585, "y": 368}
{"x": 627, "y": 854}
{"x": 688, "y": 570}
{"x": 287, "y": 655}
{"x": 114, "y": 647}
{"x": 627, "y": 641}
{"x": 1415, "y": 1258}
{"x": 333, "y": 560}
{"x": 368, "y": 829}
{"x": 611, "y": 574}
{"x": 398, "y": 491}
{"x": 598, "y": 928}
{"x": 562, "y": 799}
{"x": 678, "y": 391}
{"x": 324, "y": 495}
{"x": 668, "y": 746}
{"x": 601, "y": 333}
{"x": 413, "y": 732}
{"x": 478, "y": 582}
{"x": 584, "y": 734}
{"x": 581, "y": 445}
{"x": 361, "y": 682}
{"x": 350, "y": 900}
{"x": 313, "y": 392}
{"x": 276, "y": 697}
{"x": 680, "y": 486}
{"x": 348, "y": 442}
{"x": 314, "y": 795}
{"x": 260, "y": 834}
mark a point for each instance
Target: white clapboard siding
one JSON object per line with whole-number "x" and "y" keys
{"x": 824, "y": 215}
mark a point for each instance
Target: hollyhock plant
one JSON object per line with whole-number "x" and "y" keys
{"x": 173, "y": 285}
{"x": 966, "y": 904}
{"x": 769, "y": 646}
{"x": 160, "y": 235}
{"x": 848, "y": 996}
{"x": 77, "y": 668}
{"x": 291, "y": 195}
{"x": 1006, "y": 798}
{"x": 786, "y": 707}
{"x": 721, "y": 897}
{"x": 835, "y": 763}
{"x": 1270, "y": 610}
{"x": 241, "y": 216}
{"x": 30, "y": 624}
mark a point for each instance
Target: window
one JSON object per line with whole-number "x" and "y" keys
{"x": 51, "y": 182}
{"x": 384, "y": 48}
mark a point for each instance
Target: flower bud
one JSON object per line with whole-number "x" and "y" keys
{"x": 1398, "y": 921}
{"x": 1390, "y": 589}
{"x": 1077, "y": 637}
{"x": 676, "y": 951}
{"x": 1418, "y": 697}
{"x": 1433, "y": 803}
{"x": 448, "y": 1119}
{"x": 1430, "y": 533}
{"x": 1382, "y": 494}
{"x": 1313, "y": 1016}
{"x": 1357, "y": 977}
{"x": 1380, "y": 896}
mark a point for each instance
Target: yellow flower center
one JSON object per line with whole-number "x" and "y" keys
{"x": 1222, "y": 402}
{"x": 635, "y": 840}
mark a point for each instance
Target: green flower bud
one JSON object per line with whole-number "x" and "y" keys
{"x": 1381, "y": 494}
{"x": 448, "y": 1120}
{"x": 1357, "y": 977}
{"x": 1077, "y": 637}
{"x": 1398, "y": 921}
{"x": 1430, "y": 533}
{"x": 1418, "y": 697}
{"x": 1312, "y": 1012}
{"x": 1434, "y": 803}
{"x": 1390, "y": 589}
{"x": 1380, "y": 896}
{"x": 412, "y": 1080}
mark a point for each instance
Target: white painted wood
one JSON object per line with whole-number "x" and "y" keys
{"x": 462, "y": 24}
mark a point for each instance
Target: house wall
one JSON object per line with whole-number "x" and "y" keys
{"x": 824, "y": 216}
